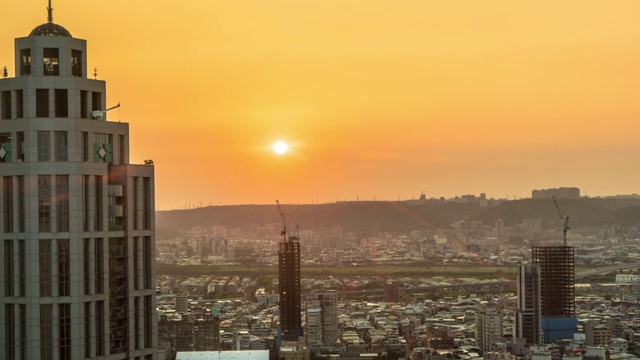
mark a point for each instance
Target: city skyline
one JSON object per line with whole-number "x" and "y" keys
{"x": 374, "y": 102}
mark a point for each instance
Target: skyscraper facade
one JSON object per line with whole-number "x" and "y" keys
{"x": 527, "y": 324}
{"x": 557, "y": 290}
{"x": 289, "y": 287}
{"x": 322, "y": 319}
{"x": 77, "y": 225}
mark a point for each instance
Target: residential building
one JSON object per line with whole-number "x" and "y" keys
{"x": 488, "y": 329}
{"x": 527, "y": 324}
{"x": 322, "y": 319}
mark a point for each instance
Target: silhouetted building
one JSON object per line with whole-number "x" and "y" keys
{"x": 528, "y": 312}
{"x": 289, "y": 276}
{"x": 557, "y": 283}
{"x": 392, "y": 291}
{"x": 77, "y": 229}
{"x": 563, "y": 192}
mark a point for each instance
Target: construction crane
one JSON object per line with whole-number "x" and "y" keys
{"x": 285, "y": 230}
{"x": 565, "y": 228}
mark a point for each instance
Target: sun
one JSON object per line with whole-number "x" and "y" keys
{"x": 280, "y": 147}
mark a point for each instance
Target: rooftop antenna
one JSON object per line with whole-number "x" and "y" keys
{"x": 565, "y": 228}
{"x": 50, "y": 13}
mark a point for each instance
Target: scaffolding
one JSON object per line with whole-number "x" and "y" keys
{"x": 557, "y": 280}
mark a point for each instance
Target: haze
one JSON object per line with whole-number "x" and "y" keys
{"x": 374, "y": 98}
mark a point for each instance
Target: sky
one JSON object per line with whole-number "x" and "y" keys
{"x": 376, "y": 99}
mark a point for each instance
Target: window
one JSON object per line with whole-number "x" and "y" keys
{"x": 46, "y": 333}
{"x": 61, "y": 145}
{"x": 86, "y": 216}
{"x": 98, "y": 203}
{"x": 44, "y": 203}
{"x": 86, "y": 265}
{"x": 64, "y": 314}
{"x": 22, "y": 268}
{"x": 7, "y": 192}
{"x": 8, "y": 268}
{"x": 5, "y": 99}
{"x": 137, "y": 257}
{"x": 5, "y": 147}
{"x": 44, "y": 144}
{"x": 76, "y": 63}
{"x": 146, "y": 205}
{"x": 62, "y": 202}
{"x": 21, "y": 205}
{"x": 147, "y": 260}
{"x": 84, "y": 109}
{"x": 99, "y": 263}
{"x": 20, "y": 144}
{"x": 44, "y": 261}
{"x": 99, "y": 328}
{"x": 22, "y": 315}
{"x": 148, "y": 321}
{"x": 96, "y": 101}
{"x": 25, "y": 62}
{"x": 136, "y": 203}
{"x": 64, "y": 274}
{"x": 62, "y": 103}
{"x": 139, "y": 311}
{"x": 85, "y": 146}
{"x": 9, "y": 332}
{"x": 19, "y": 104}
{"x": 121, "y": 145}
{"x": 51, "y": 64}
{"x": 87, "y": 330}
{"x": 42, "y": 103}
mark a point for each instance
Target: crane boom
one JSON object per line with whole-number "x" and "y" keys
{"x": 284, "y": 221}
{"x": 285, "y": 229}
{"x": 565, "y": 228}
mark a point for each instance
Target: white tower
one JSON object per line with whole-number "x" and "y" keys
{"x": 322, "y": 319}
{"x": 77, "y": 226}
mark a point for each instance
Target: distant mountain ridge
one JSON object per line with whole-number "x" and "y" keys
{"x": 402, "y": 217}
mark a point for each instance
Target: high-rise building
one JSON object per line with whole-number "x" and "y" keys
{"x": 77, "y": 225}
{"x": 322, "y": 319}
{"x": 488, "y": 329}
{"x": 289, "y": 276}
{"x": 527, "y": 324}
{"x": 392, "y": 291}
{"x": 557, "y": 291}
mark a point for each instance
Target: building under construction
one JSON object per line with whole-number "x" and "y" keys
{"x": 557, "y": 280}
{"x": 289, "y": 272}
{"x": 557, "y": 290}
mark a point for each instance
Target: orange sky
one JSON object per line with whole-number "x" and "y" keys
{"x": 375, "y": 97}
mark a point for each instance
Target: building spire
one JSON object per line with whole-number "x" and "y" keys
{"x": 50, "y": 13}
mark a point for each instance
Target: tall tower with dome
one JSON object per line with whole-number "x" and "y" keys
{"x": 76, "y": 218}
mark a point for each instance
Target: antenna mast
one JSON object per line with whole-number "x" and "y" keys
{"x": 50, "y": 13}
{"x": 565, "y": 228}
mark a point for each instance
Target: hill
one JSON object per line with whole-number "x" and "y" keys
{"x": 361, "y": 216}
{"x": 402, "y": 217}
{"x": 583, "y": 212}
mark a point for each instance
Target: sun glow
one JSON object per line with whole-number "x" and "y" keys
{"x": 280, "y": 147}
